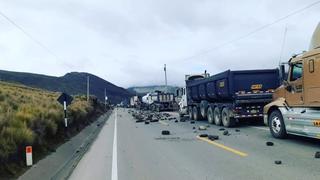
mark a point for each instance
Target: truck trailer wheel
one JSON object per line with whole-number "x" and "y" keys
{"x": 227, "y": 120}
{"x": 210, "y": 116}
{"x": 203, "y": 109}
{"x": 276, "y": 125}
{"x": 217, "y": 116}
{"x": 196, "y": 113}
{"x": 190, "y": 111}
{"x": 152, "y": 107}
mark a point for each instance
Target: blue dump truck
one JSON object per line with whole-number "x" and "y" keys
{"x": 227, "y": 97}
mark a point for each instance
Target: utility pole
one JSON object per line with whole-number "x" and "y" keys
{"x": 283, "y": 44}
{"x": 88, "y": 88}
{"x": 165, "y": 77}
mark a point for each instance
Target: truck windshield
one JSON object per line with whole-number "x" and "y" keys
{"x": 195, "y": 77}
{"x": 296, "y": 71}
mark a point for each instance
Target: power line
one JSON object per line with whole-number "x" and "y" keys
{"x": 29, "y": 35}
{"x": 254, "y": 31}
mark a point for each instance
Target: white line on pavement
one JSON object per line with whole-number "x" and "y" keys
{"x": 261, "y": 128}
{"x": 114, "y": 173}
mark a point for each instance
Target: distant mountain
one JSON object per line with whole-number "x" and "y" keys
{"x": 141, "y": 90}
{"x": 72, "y": 83}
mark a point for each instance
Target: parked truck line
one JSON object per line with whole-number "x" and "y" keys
{"x": 293, "y": 109}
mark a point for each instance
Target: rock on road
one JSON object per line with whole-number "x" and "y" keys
{"x": 142, "y": 153}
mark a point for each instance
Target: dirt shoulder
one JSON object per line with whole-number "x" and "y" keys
{"x": 59, "y": 163}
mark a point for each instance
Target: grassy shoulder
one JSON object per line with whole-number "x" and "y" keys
{"x": 30, "y": 116}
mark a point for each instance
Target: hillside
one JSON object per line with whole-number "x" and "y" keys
{"x": 30, "y": 116}
{"x": 73, "y": 83}
{"x": 141, "y": 90}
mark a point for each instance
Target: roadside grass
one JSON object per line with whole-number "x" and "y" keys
{"x": 30, "y": 116}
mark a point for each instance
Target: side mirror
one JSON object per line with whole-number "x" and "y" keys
{"x": 282, "y": 72}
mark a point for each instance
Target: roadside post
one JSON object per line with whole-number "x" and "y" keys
{"x": 105, "y": 102}
{"x": 29, "y": 155}
{"x": 65, "y": 100}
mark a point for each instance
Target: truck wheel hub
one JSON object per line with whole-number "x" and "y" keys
{"x": 224, "y": 117}
{"x": 276, "y": 124}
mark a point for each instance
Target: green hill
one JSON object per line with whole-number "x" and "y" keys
{"x": 72, "y": 83}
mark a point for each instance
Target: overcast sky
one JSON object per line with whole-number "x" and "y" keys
{"x": 127, "y": 41}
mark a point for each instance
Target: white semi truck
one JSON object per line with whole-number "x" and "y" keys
{"x": 182, "y": 92}
{"x": 159, "y": 101}
{"x": 134, "y": 101}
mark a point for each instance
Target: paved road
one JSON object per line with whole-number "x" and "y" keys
{"x": 142, "y": 153}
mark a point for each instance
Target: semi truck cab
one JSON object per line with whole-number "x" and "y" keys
{"x": 295, "y": 108}
{"x": 183, "y": 104}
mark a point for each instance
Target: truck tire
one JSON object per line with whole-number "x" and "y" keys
{"x": 210, "y": 115}
{"x": 227, "y": 120}
{"x": 196, "y": 113}
{"x": 276, "y": 125}
{"x": 190, "y": 111}
{"x": 203, "y": 109}
{"x": 217, "y": 116}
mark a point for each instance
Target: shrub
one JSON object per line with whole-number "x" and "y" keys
{"x": 30, "y": 116}
{"x": 2, "y": 97}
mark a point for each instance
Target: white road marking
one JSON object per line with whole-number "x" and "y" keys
{"x": 261, "y": 128}
{"x": 114, "y": 173}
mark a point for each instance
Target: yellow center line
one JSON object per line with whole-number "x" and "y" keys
{"x": 164, "y": 123}
{"x": 242, "y": 154}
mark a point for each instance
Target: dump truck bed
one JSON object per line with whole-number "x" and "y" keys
{"x": 232, "y": 85}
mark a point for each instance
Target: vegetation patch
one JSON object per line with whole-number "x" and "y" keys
{"x": 30, "y": 116}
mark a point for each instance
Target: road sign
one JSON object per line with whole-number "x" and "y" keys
{"x": 29, "y": 155}
{"x": 65, "y": 99}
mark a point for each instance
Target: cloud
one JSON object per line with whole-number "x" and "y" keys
{"x": 127, "y": 42}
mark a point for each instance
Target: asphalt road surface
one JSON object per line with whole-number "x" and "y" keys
{"x": 137, "y": 151}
